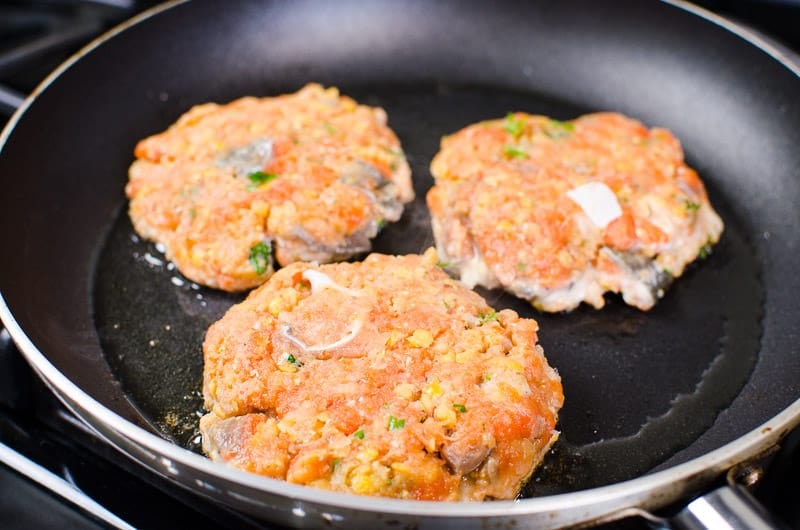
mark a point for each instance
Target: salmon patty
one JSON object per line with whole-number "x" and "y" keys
{"x": 229, "y": 189}
{"x": 384, "y": 377}
{"x": 561, "y": 212}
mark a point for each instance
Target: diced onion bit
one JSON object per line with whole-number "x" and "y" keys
{"x": 352, "y": 332}
{"x": 259, "y": 257}
{"x": 598, "y": 202}
{"x": 320, "y": 280}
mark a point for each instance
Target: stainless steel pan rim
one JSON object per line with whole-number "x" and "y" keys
{"x": 745, "y": 33}
{"x": 647, "y": 492}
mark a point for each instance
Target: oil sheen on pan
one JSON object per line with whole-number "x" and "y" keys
{"x": 603, "y": 357}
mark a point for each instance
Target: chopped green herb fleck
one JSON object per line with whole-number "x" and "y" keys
{"x": 559, "y": 129}
{"x": 359, "y": 434}
{"x": 487, "y": 377}
{"x": 487, "y": 317}
{"x": 192, "y": 213}
{"x": 330, "y": 128}
{"x": 291, "y": 359}
{"x": 692, "y": 206}
{"x": 382, "y": 224}
{"x": 190, "y": 192}
{"x": 396, "y": 152}
{"x": 395, "y": 423}
{"x": 514, "y": 152}
{"x": 260, "y": 257}
{"x": 667, "y": 272}
{"x": 705, "y": 251}
{"x": 257, "y": 178}
{"x": 513, "y": 126}
{"x": 444, "y": 264}
{"x": 335, "y": 463}
{"x": 459, "y": 407}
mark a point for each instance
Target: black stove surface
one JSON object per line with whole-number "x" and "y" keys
{"x": 54, "y": 471}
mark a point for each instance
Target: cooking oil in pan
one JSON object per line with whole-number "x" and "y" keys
{"x": 641, "y": 388}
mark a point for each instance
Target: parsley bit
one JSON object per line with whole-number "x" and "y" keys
{"x": 558, "y": 129}
{"x": 257, "y": 178}
{"x": 514, "y": 152}
{"x": 513, "y": 126}
{"x": 397, "y": 153}
{"x": 691, "y": 205}
{"x": 487, "y": 317}
{"x": 459, "y": 407}
{"x": 259, "y": 257}
{"x": 359, "y": 434}
{"x": 705, "y": 251}
{"x": 291, "y": 359}
{"x": 395, "y": 423}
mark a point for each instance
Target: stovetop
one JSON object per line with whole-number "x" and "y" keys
{"x": 54, "y": 471}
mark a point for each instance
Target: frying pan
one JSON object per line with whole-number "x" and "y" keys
{"x": 658, "y": 404}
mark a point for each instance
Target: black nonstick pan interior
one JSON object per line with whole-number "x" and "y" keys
{"x": 714, "y": 359}
{"x": 639, "y": 386}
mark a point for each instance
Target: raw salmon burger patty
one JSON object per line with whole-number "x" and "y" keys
{"x": 384, "y": 377}
{"x": 560, "y": 213}
{"x": 304, "y": 176}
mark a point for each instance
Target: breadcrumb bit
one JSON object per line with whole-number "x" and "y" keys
{"x": 421, "y": 338}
